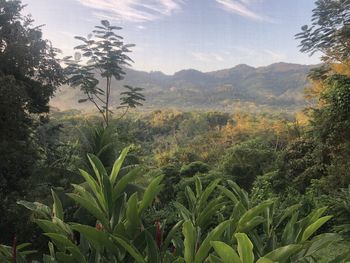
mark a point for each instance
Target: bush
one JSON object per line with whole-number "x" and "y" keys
{"x": 194, "y": 168}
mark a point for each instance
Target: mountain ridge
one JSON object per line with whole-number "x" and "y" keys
{"x": 276, "y": 86}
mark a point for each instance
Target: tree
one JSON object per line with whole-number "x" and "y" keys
{"x": 247, "y": 160}
{"x": 329, "y": 32}
{"x": 29, "y": 75}
{"x": 101, "y": 58}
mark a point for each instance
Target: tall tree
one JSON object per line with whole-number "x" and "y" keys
{"x": 29, "y": 75}
{"x": 327, "y": 157}
{"x": 101, "y": 58}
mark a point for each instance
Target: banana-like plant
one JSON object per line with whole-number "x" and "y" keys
{"x": 244, "y": 253}
{"x": 271, "y": 232}
{"x": 226, "y": 254}
{"x": 219, "y": 225}
{"x": 118, "y": 217}
{"x": 202, "y": 204}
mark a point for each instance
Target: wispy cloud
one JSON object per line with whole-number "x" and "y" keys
{"x": 243, "y": 8}
{"x": 275, "y": 56}
{"x": 207, "y": 57}
{"x": 133, "y": 10}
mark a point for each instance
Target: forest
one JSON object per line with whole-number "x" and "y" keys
{"x": 167, "y": 185}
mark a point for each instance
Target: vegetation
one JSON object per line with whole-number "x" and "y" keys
{"x": 104, "y": 52}
{"x": 167, "y": 185}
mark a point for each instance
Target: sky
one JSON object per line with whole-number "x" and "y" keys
{"x": 171, "y": 35}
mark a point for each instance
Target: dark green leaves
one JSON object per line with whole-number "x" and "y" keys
{"x": 102, "y": 56}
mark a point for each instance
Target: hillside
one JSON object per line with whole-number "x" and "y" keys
{"x": 275, "y": 87}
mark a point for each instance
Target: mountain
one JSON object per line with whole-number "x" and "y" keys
{"x": 278, "y": 86}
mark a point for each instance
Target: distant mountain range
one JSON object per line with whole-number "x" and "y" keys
{"x": 278, "y": 86}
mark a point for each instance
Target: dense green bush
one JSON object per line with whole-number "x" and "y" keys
{"x": 216, "y": 224}
{"x": 245, "y": 161}
{"x": 194, "y": 168}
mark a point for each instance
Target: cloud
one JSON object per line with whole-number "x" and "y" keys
{"x": 242, "y": 8}
{"x": 275, "y": 56}
{"x": 207, "y": 57}
{"x": 133, "y": 10}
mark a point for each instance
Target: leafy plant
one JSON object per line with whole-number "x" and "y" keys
{"x": 219, "y": 224}
{"x": 118, "y": 216}
{"x": 104, "y": 52}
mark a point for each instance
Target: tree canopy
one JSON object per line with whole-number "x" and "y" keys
{"x": 98, "y": 61}
{"x": 329, "y": 32}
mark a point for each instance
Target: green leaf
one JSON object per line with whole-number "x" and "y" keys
{"x": 97, "y": 166}
{"x": 265, "y": 260}
{"x": 287, "y": 212}
{"x": 314, "y": 227}
{"x": 132, "y": 216}
{"x": 206, "y": 193}
{"x": 23, "y": 246}
{"x": 213, "y": 259}
{"x": 91, "y": 208}
{"x": 65, "y": 227}
{"x": 95, "y": 188}
{"x": 48, "y": 226}
{"x": 212, "y": 208}
{"x": 62, "y": 240}
{"x": 190, "y": 197}
{"x": 214, "y": 235}
{"x": 185, "y": 213}
{"x": 190, "y": 234}
{"x": 171, "y": 234}
{"x": 229, "y": 194}
{"x": 130, "y": 248}
{"x": 321, "y": 241}
{"x": 98, "y": 239}
{"x": 118, "y": 164}
{"x": 240, "y": 193}
{"x": 38, "y": 208}
{"x": 150, "y": 193}
{"x": 121, "y": 184}
{"x": 253, "y": 212}
{"x": 289, "y": 232}
{"x": 153, "y": 252}
{"x": 245, "y": 248}
{"x": 282, "y": 254}
{"x": 107, "y": 193}
{"x": 198, "y": 185}
{"x": 257, "y": 220}
{"x": 57, "y": 206}
{"x": 225, "y": 252}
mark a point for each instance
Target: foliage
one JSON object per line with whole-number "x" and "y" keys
{"x": 29, "y": 75}
{"x": 235, "y": 187}
{"x": 329, "y": 31}
{"x": 194, "y": 168}
{"x": 332, "y": 120}
{"x": 104, "y": 52}
{"x": 245, "y": 161}
{"x": 259, "y": 231}
{"x": 118, "y": 216}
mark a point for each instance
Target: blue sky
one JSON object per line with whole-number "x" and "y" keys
{"x": 171, "y": 35}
